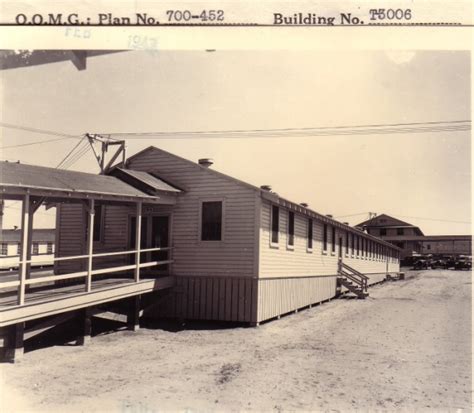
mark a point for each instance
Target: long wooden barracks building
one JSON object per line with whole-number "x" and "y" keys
{"x": 217, "y": 248}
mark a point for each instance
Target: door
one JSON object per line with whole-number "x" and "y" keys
{"x": 340, "y": 248}
{"x": 160, "y": 239}
{"x": 154, "y": 234}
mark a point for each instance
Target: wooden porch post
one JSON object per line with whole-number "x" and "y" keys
{"x": 138, "y": 236}
{"x": 90, "y": 244}
{"x": 25, "y": 246}
{"x": 13, "y": 343}
{"x": 86, "y": 326}
{"x": 133, "y": 315}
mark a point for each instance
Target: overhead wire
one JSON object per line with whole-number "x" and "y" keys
{"x": 77, "y": 155}
{"x": 415, "y": 127}
{"x": 32, "y": 143}
{"x": 70, "y": 153}
{"x": 40, "y": 131}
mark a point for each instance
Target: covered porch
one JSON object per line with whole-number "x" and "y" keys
{"x": 94, "y": 277}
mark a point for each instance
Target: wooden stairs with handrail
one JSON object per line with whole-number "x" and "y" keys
{"x": 353, "y": 280}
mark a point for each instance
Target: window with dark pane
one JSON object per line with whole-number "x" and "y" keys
{"x": 275, "y": 223}
{"x": 333, "y": 239}
{"x": 310, "y": 233}
{"x": 211, "y": 219}
{"x": 325, "y": 237}
{"x": 291, "y": 228}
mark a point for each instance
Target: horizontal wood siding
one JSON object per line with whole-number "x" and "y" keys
{"x": 277, "y": 296}
{"x": 71, "y": 237}
{"x": 291, "y": 278}
{"x": 234, "y": 256}
{"x": 210, "y": 298}
{"x": 281, "y": 261}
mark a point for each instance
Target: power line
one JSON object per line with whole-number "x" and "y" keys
{"x": 40, "y": 131}
{"x": 78, "y": 155}
{"x": 434, "y": 219}
{"x": 32, "y": 143}
{"x": 351, "y": 215}
{"x": 415, "y": 127}
{"x": 69, "y": 153}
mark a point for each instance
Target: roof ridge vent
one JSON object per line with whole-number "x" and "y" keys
{"x": 266, "y": 187}
{"x": 206, "y": 162}
{"x": 304, "y": 204}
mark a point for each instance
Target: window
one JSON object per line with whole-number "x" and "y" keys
{"x": 325, "y": 237}
{"x": 18, "y": 248}
{"x": 4, "y": 248}
{"x": 383, "y": 231}
{"x": 275, "y": 224}
{"x": 49, "y": 247}
{"x": 310, "y": 234}
{"x": 211, "y": 221}
{"x": 35, "y": 248}
{"x": 333, "y": 239}
{"x": 400, "y": 231}
{"x": 347, "y": 243}
{"x": 428, "y": 246}
{"x": 291, "y": 228}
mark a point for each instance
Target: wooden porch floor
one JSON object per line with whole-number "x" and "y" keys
{"x": 50, "y": 299}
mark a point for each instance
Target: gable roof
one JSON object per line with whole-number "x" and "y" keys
{"x": 144, "y": 180}
{"x": 194, "y": 164}
{"x": 23, "y": 176}
{"x": 384, "y": 220}
{"x": 272, "y": 196}
{"x": 387, "y": 221}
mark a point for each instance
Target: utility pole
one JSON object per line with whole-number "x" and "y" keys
{"x": 372, "y": 215}
{"x": 105, "y": 143}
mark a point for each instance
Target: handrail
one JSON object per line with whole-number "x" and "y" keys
{"x": 356, "y": 276}
{"x": 354, "y": 271}
{"x": 82, "y": 274}
{"x": 352, "y": 278}
{"x": 100, "y": 254}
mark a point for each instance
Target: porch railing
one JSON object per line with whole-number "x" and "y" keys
{"x": 22, "y": 282}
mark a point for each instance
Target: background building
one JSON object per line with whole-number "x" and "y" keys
{"x": 411, "y": 240}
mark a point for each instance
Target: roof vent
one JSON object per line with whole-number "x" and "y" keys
{"x": 304, "y": 204}
{"x": 345, "y": 223}
{"x": 206, "y": 162}
{"x": 266, "y": 187}
{"x": 329, "y": 215}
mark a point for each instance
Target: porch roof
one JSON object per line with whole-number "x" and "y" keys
{"x": 16, "y": 179}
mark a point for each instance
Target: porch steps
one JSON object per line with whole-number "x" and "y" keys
{"x": 353, "y": 280}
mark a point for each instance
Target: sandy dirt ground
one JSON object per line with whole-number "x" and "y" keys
{"x": 407, "y": 347}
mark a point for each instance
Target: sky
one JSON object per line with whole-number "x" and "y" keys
{"x": 424, "y": 179}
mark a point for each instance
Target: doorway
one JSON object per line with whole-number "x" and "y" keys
{"x": 155, "y": 233}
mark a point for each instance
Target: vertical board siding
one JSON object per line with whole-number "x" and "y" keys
{"x": 277, "y": 296}
{"x": 234, "y": 255}
{"x": 210, "y": 298}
